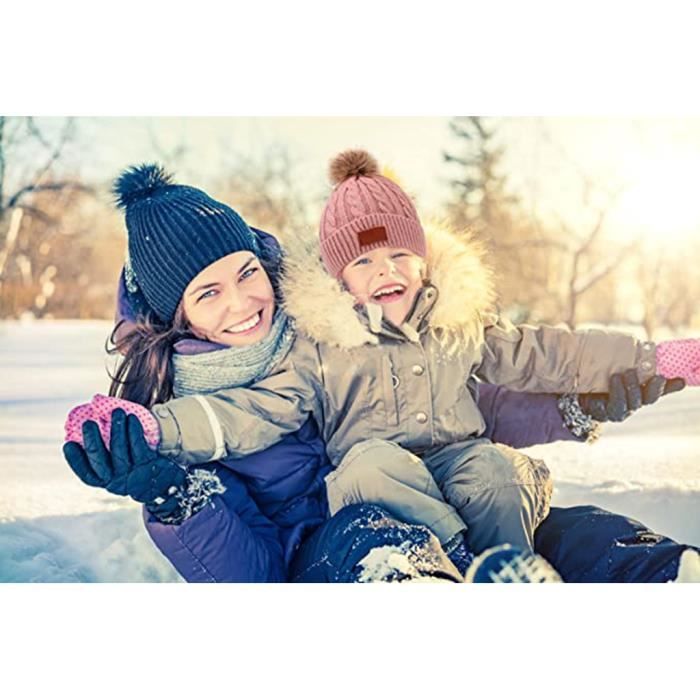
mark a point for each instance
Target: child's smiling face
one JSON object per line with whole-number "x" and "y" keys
{"x": 387, "y": 276}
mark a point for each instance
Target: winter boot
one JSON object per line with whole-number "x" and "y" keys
{"x": 508, "y": 564}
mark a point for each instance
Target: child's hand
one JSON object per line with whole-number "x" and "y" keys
{"x": 100, "y": 410}
{"x": 679, "y": 358}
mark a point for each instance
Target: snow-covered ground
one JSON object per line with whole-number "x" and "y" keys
{"x": 54, "y": 528}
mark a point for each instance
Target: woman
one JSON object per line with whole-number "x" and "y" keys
{"x": 261, "y": 518}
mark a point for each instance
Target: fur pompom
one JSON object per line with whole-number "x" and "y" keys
{"x": 351, "y": 164}
{"x": 139, "y": 182}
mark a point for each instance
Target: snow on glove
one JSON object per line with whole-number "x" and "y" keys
{"x": 679, "y": 358}
{"x": 130, "y": 467}
{"x": 100, "y": 410}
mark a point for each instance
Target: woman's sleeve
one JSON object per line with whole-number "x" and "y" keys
{"x": 229, "y": 540}
{"x": 520, "y": 420}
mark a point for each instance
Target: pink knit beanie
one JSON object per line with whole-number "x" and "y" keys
{"x": 366, "y": 210}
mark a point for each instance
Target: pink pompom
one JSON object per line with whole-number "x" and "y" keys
{"x": 679, "y": 358}
{"x": 100, "y": 410}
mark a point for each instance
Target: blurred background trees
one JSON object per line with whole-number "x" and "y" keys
{"x": 58, "y": 246}
{"x": 555, "y": 272}
{"x": 62, "y": 242}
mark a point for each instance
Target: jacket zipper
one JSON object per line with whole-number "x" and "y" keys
{"x": 391, "y": 384}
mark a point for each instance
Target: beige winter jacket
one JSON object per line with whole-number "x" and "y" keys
{"x": 361, "y": 377}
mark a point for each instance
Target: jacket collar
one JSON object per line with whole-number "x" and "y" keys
{"x": 450, "y": 306}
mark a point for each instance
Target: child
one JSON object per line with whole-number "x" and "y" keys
{"x": 385, "y": 364}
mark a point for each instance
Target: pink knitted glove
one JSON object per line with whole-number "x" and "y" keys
{"x": 679, "y": 358}
{"x": 100, "y": 410}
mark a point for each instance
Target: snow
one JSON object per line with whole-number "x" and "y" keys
{"x": 385, "y": 563}
{"x": 54, "y": 528}
{"x": 689, "y": 567}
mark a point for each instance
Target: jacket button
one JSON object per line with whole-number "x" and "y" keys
{"x": 421, "y": 417}
{"x": 417, "y": 370}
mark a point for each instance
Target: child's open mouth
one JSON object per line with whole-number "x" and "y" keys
{"x": 248, "y": 326}
{"x": 389, "y": 293}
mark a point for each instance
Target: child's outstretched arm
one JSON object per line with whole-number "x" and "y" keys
{"x": 230, "y": 423}
{"x": 235, "y": 422}
{"x": 559, "y": 360}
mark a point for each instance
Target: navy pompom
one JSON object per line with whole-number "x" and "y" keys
{"x": 140, "y": 182}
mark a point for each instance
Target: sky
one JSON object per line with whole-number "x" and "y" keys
{"x": 641, "y": 170}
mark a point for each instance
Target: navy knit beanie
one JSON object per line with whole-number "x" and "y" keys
{"x": 174, "y": 232}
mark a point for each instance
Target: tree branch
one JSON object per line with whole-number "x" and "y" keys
{"x": 14, "y": 200}
{"x": 63, "y": 139}
{"x": 597, "y": 275}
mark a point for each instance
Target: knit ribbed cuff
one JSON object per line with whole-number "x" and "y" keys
{"x": 579, "y": 423}
{"x": 342, "y": 246}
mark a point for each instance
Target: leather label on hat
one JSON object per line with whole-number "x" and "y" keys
{"x": 372, "y": 235}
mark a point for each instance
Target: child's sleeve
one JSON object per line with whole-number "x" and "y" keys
{"x": 232, "y": 423}
{"x": 559, "y": 360}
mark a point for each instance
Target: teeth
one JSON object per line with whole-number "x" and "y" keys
{"x": 388, "y": 290}
{"x": 246, "y": 325}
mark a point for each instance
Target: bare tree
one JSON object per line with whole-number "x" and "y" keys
{"x": 29, "y": 191}
{"x": 267, "y": 193}
{"x": 585, "y": 265}
{"x": 582, "y": 259}
{"x": 669, "y": 289}
{"x": 173, "y": 158}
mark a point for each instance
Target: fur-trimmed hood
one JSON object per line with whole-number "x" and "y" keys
{"x": 326, "y": 312}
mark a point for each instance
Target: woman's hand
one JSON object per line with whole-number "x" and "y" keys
{"x": 626, "y": 395}
{"x": 130, "y": 467}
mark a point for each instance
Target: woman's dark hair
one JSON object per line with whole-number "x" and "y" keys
{"x": 145, "y": 373}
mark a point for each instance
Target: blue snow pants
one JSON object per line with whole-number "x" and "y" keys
{"x": 335, "y": 550}
{"x": 586, "y": 544}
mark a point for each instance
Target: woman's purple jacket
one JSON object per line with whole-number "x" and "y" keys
{"x": 276, "y": 497}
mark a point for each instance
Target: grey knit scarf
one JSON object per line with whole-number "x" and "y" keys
{"x": 230, "y": 367}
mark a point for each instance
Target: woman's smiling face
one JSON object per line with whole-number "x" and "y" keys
{"x": 231, "y": 302}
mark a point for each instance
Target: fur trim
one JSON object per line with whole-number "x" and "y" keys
{"x": 319, "y": 305}
{"x": 324, "y": 311}
{"x": 465, "y": 287}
